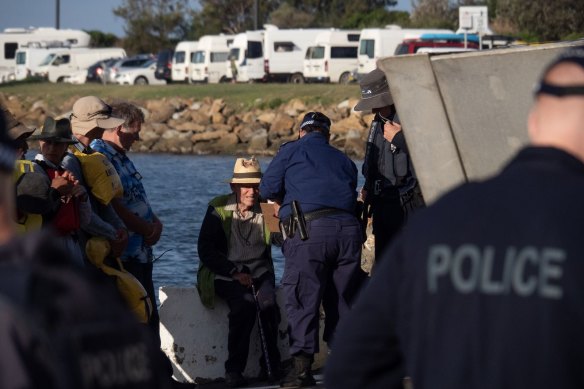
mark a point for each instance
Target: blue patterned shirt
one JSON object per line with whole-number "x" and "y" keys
{"x": 135, "y": 199}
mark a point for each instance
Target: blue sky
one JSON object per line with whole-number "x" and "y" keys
{"x": 76, "y": 14}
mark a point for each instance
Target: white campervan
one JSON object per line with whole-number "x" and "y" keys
{"x": 181, "y": 61}
{"x": 284, "y": 52}
{"x": 11, "y": 39}
{"x": 333, "y": 58}
{"x": 64, "y": 63}
{"x": 28, "y": 59}
{"x": 376, "y": 43}
{"x": 247, "y": 55}
{"x": 208, "y": 62}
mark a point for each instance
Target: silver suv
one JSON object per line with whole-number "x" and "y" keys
{"x": 110, "y": 72}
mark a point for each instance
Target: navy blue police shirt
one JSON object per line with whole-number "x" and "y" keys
{"x": 312, "y": 172}
{"x": 482, "y": 290}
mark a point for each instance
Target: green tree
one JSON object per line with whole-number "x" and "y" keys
{"x": 332, "y": 13}
{"x": 102, "y": 39}
{"x": 230, "y": 16}
{"x": 151, "y": 25}
{"x": 286, "y": 16}
{"x": 434, "y": 14}
{"x": 543, "y": 20}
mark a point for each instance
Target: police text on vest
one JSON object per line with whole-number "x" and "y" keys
{"x": 524, "y": 271}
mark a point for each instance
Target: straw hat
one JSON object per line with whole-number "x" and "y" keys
{"x": 246, "y": 171}
{"x": 374, "y": 92}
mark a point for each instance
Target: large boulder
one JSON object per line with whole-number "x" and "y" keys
{"x": 258, "y": 143}
{"x": 347, "y": 124}
{"x": 160, "y": 110}
{"x": 355, "y": 144}
{"x": 208, "y": 135}
{"x": 281, "y": 126}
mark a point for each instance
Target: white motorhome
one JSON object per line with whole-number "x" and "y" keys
{"x": 284, "y": 52}
{"x": 29, "y": 58}
{"x": 247, "y": 55}
{"x": 208, "y": 62}
{"x": 63, "y": 63}
{"x": 376, "y": 43}
{"x": 333, "y": 58}
{"x": 181, "y": 61}
{"x": 11, "y": 39}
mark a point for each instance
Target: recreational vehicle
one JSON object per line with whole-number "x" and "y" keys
{"x": 284, "y": 52}
{"x": 181, "y": 61}
{"x": 376, "y": 43}
{"x": 28, "y": 59}
{"x": 11, "y": 39}
{"x": 208, "y": 62}
{"x": 333, "y": 58}
{"x": 63, "y": 63}
{"x": 246, "y": 56}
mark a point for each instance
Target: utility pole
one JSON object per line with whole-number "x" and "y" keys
{"x": 255, "y": 14}
{"x": 58, "y": 15}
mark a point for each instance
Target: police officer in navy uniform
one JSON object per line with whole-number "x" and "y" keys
{"x": 391, "y": 189}
{"x": 484, "y": 288}
{"x": 325, "y": 255}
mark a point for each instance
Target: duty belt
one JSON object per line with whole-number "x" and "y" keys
{"x": 288, "y": 227}
{"x": 310, "y": 216}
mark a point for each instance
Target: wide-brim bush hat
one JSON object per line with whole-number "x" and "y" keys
{"x": 91, "y": 112}
{"x": 374, "y": 92}
{"x": 246, "y": 171}
{"x": 58, "y": 131}
{"x": 16, "y": 130}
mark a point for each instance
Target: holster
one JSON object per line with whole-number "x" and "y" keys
{"x": 288, "y": 228}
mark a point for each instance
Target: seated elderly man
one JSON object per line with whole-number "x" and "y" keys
{"x": 235, "y": 261}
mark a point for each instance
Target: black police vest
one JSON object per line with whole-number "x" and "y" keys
{"x": 91, "y": 339}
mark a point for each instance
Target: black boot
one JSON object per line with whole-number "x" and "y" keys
{"x": 300, "y": 376}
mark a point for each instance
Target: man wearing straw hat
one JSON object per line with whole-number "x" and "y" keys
{"x": 235, "y": 254}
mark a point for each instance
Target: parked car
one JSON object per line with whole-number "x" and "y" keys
{"x": 144, "y": 75}
{"x": 95, "y": 71}
{"x": 125, "y": 64}
{"x": 164, "y": 65}
{"x": 78, "y": 77}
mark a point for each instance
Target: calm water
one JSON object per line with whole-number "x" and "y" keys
{"x": 179, "y": 188}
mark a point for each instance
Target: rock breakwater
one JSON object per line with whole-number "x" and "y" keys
{"x": 212, "y": 126}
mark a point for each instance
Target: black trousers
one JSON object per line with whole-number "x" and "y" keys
{"x": 143, "y": 272}
{"x": 242, "y": 317}
{"x": 388, "y": 219}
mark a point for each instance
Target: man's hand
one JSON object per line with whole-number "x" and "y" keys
{"x": 243, "y": 278}
{"x": 362, "y": 194}
{"x": 79, "y": 191}
{"x": 276, "y": 209}
{"x": 390, "y": 129}
{"x": 62, "y": 184}
{"x": 154, "y": 236}
{"x": 119, "y": 244}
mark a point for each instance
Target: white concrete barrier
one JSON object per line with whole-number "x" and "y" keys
{"x": 195, "y": 338}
